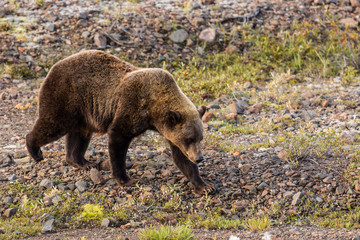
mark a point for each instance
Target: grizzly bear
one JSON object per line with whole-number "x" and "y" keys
{"x": 95, "y": 92}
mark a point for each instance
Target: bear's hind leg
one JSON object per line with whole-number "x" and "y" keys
{"x": 77, "y": 142}
{"x": 43, "y": 132}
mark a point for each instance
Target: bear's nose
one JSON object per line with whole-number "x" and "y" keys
{"x": 200, "y": 159}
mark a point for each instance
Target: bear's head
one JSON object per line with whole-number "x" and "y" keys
{"x": 185, "y": 130}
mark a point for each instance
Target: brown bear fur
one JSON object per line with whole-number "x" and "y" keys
{"x": 95, "y": 92}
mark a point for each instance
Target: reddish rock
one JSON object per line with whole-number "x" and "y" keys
{"x": 208, "y": 116}
{"x": 256, "y": 108}
{"x": 208, "y": 35}
{"x": 325, "y": 103}
{"x": 100, "y": 40}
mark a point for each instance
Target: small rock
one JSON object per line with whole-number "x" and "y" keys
{"x": 8, "y": 200}
{"x": 100, "y": 40}
{"x": 82, "y": 23}
{"x": 232, "y": 49}
{"x": 50, "y": 38}
{"x": 207, "y": 116}
{"x": 105, "y": 165}
{"x": 319, "y": 2}
{"x": 239, "y": 107}
{"x": 256, "y": 108}
{"x": 349, "y": 22}
{"x": 62, "y": 187}
{"x": 325, "y": 103}
{"x": 81, "y": 185}
{"x": 307, "y": 95}
{"x": 248, "y": 85}
{"x": 85, "y": 34}
{"x": 296, "y": 198}
{"x": 12, "y": 177}
{"x": 207, "y": 2}
{"x": 307, "y": 115}
{"x": 288, "y": 194}
{"x": 327, "y": 180}
{"x": 105, "y": 222}
{"x": 179, "y": 36}
{"x": 95, "y": 176}
{"x": 346, "y": 135}
{"x": 50, "y": 27}
{"x": 245, "y": 167}
{"x": 197, "y": 21}
{"x": 340, "y": 190}
{"x": 47, "y": 183}
{"x": 262, "y": 185}
{"x": 48, "y": 225}
{"x": 232, "y": 237}
{"x": 267, "y": 236}
{"x": 10, "y": 212}
{"x": 46, "y": 216}
{"x": 208, "y": 35}
{"x": 355, "y": 3}
{"x": 48, "y": 201}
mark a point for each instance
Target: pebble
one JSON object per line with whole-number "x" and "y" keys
{"x": 105, "y": 222}
{"x": 296, "y": 198}
{"x": 95, "y": 176}
{"x": 100, "y": 40}
{"x": 10, "y": 212}
{"x": 47, "y": 183}
{"x": 208, "y": 35}
{"x": 8, "y": 200}
{"x": 179, "y": 36}
{"x": 81, "y": 185}
{"x": 48, "y": 225}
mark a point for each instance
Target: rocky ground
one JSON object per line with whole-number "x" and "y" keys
{"x": 250, "y": 181}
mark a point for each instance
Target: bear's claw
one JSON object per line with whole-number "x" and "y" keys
{"x": 128, "y": 183}
{"x": 207, "y": 188}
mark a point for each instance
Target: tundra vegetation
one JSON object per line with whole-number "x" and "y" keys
{"x": 275, "y": 70}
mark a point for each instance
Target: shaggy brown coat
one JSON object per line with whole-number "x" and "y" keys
{"x": 95, "y": 92}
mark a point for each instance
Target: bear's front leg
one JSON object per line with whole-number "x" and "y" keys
{"x": 118, "y": 147}
{"x": 191, "y": 171}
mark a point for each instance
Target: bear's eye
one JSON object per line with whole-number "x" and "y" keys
{"x": 190, "y": 140}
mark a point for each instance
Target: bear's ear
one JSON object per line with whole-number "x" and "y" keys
{"x": 173, "y": 117}
{"x": 202, "y": 111}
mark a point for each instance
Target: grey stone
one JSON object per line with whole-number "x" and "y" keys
{"x": 46, "y": 217}
{"x": 48, "y": 225}
{"x": 50, "y": 27}
{"x": 71, "y": 186}
{"x": 296, "y": 198}
{"x": 47, "y": 183}
{"x": 288, "y": 194}
{"x": 262, "y": 185}
{"x": 82, "y": 23}
{"x": 12, "y": 177}
{"x": 340, "y": 190}
{"x": 62, "y": 187}
{"x": 8, "y": 200}
{"x": 10, "y": 212}
{"x": 105, "y": 222}
{"x": 179, "y": 36}
{"x": 81, "y": 185}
